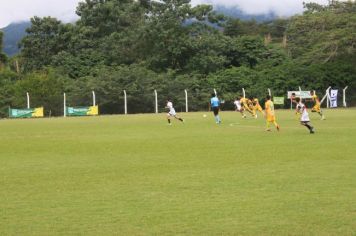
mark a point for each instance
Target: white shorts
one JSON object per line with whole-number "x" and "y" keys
{"x": 238, "y": 108}
{"x": 305, "y": 118}
{"x": 172, "y": 112}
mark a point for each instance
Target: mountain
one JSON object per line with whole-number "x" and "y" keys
{"x": 236, "y": 12}
{"x": 13, "y": 34}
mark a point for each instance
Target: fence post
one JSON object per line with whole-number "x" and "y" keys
{"x": 326, "y": 96}
{"x": 243, "y": 92}
{"x": 125, "y": 101}
{"x": 269, "y": 92}
{"x": 28, "y": 100}
{"x": 344, "y": 96}
{"x": 64, "y": 105}
{"x": 94, "y": 100}
{"x": 156, "y": 102}
{"x": 186, "y": 100}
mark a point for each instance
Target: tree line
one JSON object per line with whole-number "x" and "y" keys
{"x": 170, "y": 45}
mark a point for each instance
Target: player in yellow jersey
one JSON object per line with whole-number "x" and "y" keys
{"x": 256, "y": 106}
{"x": 247, "y": 105}
{"x": 316, "y": 107}
{"x": 269, "y": 114}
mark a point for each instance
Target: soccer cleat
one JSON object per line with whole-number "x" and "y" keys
{"x": 312, "y": 131}
{"x": 268, "y": 130}
{"x": 278, "y": 127}
{"x": 323, "y": 118}
{"x": 255, "y": 116}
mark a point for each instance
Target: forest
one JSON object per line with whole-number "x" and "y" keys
{"x": 169, "y": 46}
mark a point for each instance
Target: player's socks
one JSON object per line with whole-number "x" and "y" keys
{"x": 267, "y": 126}
{"x": 180, "y": 119}
{"x": 311, "y": 128}
{"x": 322, "y": 115}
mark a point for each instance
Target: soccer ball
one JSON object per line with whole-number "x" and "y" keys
{"x": 204, "y": 115}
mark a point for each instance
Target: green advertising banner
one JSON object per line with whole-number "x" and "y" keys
{"x": 278, "y": 100}
{"x": 26, "y": 113}
{"x": 82, "y": 111}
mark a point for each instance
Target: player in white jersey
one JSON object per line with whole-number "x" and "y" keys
{"x": 238, "y": 107}
{"x": 304, "y": 117}
{"x": 172, "y": 112}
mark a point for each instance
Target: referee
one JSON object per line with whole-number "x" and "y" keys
{"x": 215, "y": 106}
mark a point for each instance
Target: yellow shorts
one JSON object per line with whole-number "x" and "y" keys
{"x": 271, "y": 118}
{"x": 316, "y": 108}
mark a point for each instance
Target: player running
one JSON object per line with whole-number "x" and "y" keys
{"x": 172, "y": 112}
{"x": 215, "y": 106}
{"x": 256, "y": 106}
{"x": 316, "y": 107}
{"x": 238, "y": 107}
{"x": 269, "y": 114}
{"x": 247, "y": 105}
{"x": 304, "y": 118}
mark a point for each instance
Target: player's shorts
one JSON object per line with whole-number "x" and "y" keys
{"x": 271, "y": 118}
{"x": 216, "y": 110}
{"x": 304, "y": 118}
{"x": 316, "y": 108}
{"x": 172, "y": 112}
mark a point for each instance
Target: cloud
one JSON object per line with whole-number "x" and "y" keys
{"x": 21, "y": 10}
{"x": 280, "y": 7}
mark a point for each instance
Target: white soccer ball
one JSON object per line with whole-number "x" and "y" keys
{"x": 204, "y": 115}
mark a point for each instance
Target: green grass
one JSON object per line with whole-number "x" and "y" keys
{"x": 135, "y": 175}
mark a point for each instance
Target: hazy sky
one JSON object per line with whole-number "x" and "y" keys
{"x": 20, "y": 10}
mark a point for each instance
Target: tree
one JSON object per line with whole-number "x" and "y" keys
{"x": 46, "y": 88}
{"x": 3, "y": 57}
{"x": 170, "y": 38}
{"x": 323, "y": 34}
{"x": 246, "y": 51}
{"x": 45, "y": 38}
{"x": 7, "y": 81}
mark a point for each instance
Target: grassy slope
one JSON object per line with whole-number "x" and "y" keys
{"x": 136, "y": 175}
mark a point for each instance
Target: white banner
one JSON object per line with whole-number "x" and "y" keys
{"x": 333, "y": 98}
{"x": 300, "y": 94}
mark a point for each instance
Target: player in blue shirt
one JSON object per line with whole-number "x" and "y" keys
{"x": 215, "y": 106}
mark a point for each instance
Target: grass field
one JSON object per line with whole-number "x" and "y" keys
{"x": 135, "y": 175}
